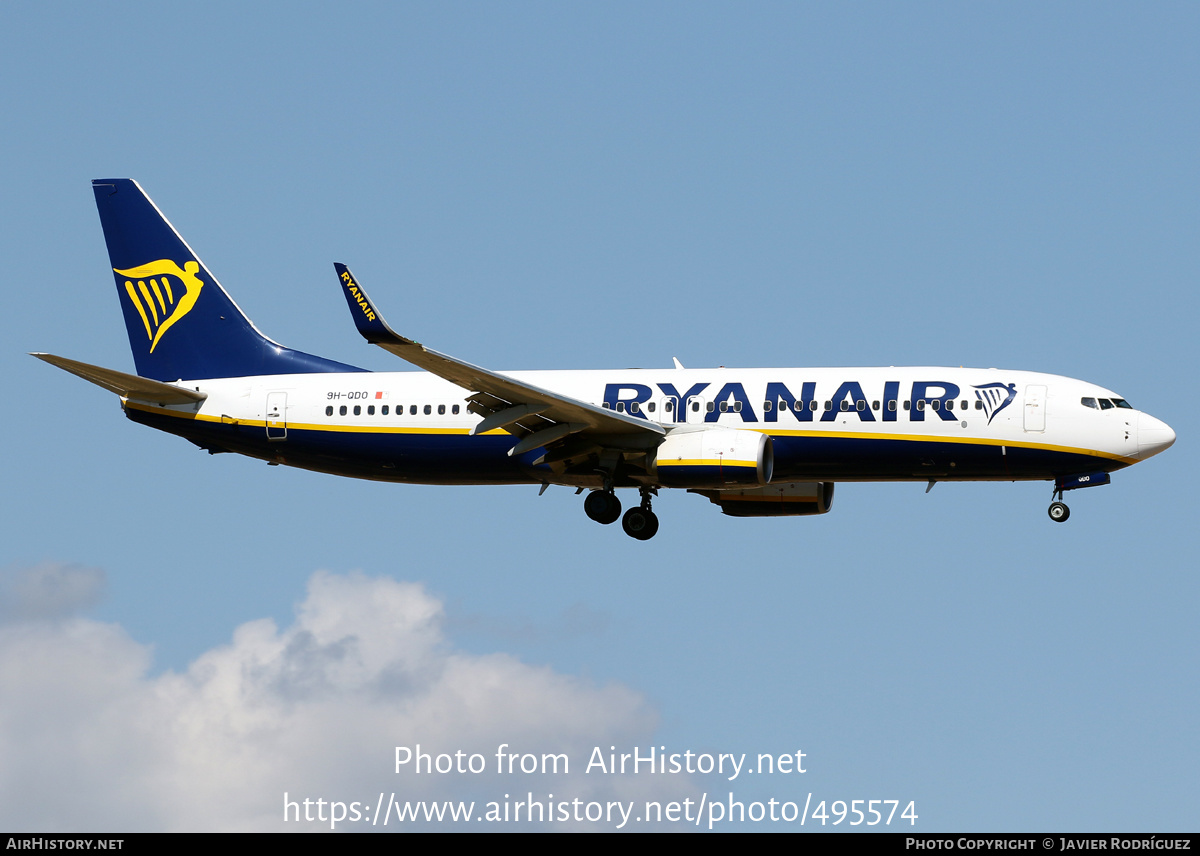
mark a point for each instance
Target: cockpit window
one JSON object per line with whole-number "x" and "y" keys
{"x": 1120, "y": 402}
{"x": 1105, "y": 404}
{"x": 1089, "y": 402}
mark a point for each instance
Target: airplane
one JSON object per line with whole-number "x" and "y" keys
{"x": 755, "y": 442}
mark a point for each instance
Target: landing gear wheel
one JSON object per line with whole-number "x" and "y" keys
{"x": 640, "y": 523}
{"x": 602, "y": 506}
{"x": 1059, "y": 512}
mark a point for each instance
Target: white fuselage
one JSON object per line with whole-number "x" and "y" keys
{"x": 857, "y": 424}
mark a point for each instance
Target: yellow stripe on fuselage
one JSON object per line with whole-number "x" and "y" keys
{"x": 831, "y": 435}
{"x": 704, "y": 462}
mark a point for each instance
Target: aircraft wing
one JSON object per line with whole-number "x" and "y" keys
{"x": 538, "y": 416}
{"x": 126, "y": 385}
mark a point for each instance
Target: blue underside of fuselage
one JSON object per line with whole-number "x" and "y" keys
{"x": 834, "y": 458}
{"x": 462, "y": 459}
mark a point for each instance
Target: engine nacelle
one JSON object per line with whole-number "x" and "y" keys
{"x": 777, "y": 500}
{"x": 712, "y": 457}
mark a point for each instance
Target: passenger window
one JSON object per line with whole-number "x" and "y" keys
{"x": 650, "y": 407}
{"x": 963, "y": 405}
{"x": 906, "y": 407}
{"x": 798, "y": 406}
{"x": 669, "y": 405}
{"x": 620, "y": 407}
{"x": 979, "y": 405}
{"x": 383, "y": 411}
{"x": 357, "y": 410}
{"x": 370, "y": 409}
{"x": 920, "y": 404}
{"x": 342, "y": 410}
{"x": 892, "y": 405}
{"x": 737, "y": 407}
{"x": 695, "y": 406}
{"x": 829, "y": 405}
{"x": 454, "y": 410}
{"x": 812, "y": 405}
{"x": 862, "y": 404}
{"x": 724, "y": 406}
{"x": 634, "y": 407}
{"x": 329, "y": 410}
{"x": 412, "y": 410}
{"x": 709, "y": 407}
{"x": 441, "y": 410}
{"x": 428, "y": 409}
{"x": 766, "y": 407}
{"x": 936, "y": 404}
{"x": 875, "y": 404}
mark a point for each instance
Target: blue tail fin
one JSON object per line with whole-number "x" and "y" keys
{"x": 181, "y": 323}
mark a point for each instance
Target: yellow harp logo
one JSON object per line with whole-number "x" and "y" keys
{"x": 154, "y": 297}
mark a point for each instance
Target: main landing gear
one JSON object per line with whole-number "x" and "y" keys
{"x": 602, "y": 506}
{"x": 639, "y": 522}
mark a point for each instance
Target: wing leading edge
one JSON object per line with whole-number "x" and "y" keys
{"x": 538, "y": 417}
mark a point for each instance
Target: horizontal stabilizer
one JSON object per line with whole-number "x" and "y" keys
{"x": 126, "y": 385}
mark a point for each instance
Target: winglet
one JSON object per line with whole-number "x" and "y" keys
{"x": 366, "y": 318}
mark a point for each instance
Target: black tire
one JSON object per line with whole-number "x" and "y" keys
{"x": 601, "y": 506}
{"x": 594, "y": 505}
{"x": 640, "y": 523}
{"x": 614, "y": 509}
{"x": 1059, "y": 512}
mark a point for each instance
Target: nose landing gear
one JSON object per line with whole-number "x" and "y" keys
{"x": 1058, "y": 510}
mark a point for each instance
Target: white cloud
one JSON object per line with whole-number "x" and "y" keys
{"x": 48, "y": 590}
{"x": 90, "y": 741}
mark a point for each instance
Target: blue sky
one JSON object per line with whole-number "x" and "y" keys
{"x": 558, "y": 186}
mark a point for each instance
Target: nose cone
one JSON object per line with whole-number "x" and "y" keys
{"x": 1153, "y": 435}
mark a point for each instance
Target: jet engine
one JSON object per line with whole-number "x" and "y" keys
{"x": 712, "y": 457}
